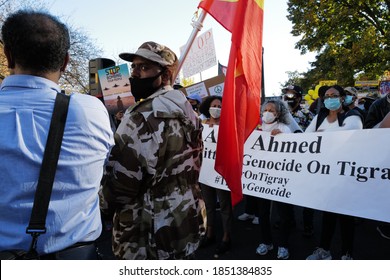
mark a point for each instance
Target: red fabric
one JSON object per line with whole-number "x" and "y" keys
{"x": 221, "y": 11}
{"x": 241, "y": 98}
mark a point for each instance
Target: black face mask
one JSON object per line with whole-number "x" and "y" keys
{"x": 292, "y": 102}
{"x": 143, "y": 88}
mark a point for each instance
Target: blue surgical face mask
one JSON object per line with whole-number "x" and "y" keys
{"x": 332, "y": 104}
{"x": 348, "y": 100}
{"x": 361, "y": 107}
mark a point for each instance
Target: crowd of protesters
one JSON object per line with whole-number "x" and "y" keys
{"x": 337, "y": 109}
{"x": 149, "y": 195}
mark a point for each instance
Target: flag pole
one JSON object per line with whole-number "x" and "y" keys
{"x": 262, "y": 98}
{"x": 197, "y": 25}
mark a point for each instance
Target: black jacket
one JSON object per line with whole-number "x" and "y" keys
{"x": 378, "y": 110}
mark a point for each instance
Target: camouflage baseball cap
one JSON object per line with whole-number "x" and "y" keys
{"x": 154, "y": 52}
{"x": 297, "y": 89}
{"x": 351, "y": 90}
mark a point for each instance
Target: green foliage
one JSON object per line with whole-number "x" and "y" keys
{"x": 350, "y": 36}
{"x": 294, "y": 78}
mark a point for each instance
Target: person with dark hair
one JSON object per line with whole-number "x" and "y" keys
{"x": 377, "y": 111}
{"x": 318, "y": 104}
{"x": 326, "y": 118}
{"x": 151, "y": 189}
{"x": 378, "y": 117}
{"x": 334, "y": 118}
{"x": 292, "y": 94}
{"x": 177, "y": 86}
{"x": 365, "y": 102}
{"x": 211, "y": 108}
{"x": 49, "y": 55}
{"x": 308, "y": 213}
{"x": 350, "y": 100}
{"x": 36, "y": 46}
{"x": 205, "y": 110}
{"x": 195, "y": 101}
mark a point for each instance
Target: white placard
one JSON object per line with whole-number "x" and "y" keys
{"x": 199, "y": 89}
{"x": 201, "y": 56}
{"x": 217, "y": 89}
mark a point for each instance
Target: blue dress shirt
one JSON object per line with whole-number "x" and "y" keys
{"x": 26, "y": 106}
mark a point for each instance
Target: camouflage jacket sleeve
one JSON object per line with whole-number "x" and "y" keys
{"x": 155, "y": 169}
{"x": 149, "y": 148}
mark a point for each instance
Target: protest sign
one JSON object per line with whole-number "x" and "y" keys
{"x": 115, "y": 85}
{"x": 201, "y": 56}
{"x": 346, "y": 172}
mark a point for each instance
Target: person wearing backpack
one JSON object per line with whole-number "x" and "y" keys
{"x": 350, "y": 102}
{"x": 378, "y": 116}
{"x": 333, "y": 118}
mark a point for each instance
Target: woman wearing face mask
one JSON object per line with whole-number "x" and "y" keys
{"x": 211, "y": 109}
{"x": 275, "y": 119}
{"x": 333, "y": 118}
{"x": 350, "y": 103}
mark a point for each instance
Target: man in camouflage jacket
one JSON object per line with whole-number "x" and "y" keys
{"x": 152, "y": 188}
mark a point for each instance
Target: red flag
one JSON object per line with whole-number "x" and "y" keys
{"x": 221, "y": 10}
{"x": 241, "y": 98}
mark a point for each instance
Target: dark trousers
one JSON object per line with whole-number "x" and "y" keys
{"x": 210, "y": 196}
{"x": 287, "y": 219}
{"x": 347, "y": 229}
{"x": 79, "y": 251}
{"x": 264, "y": 206}
{"x": 308, "y": 217}
{"x": 251, "y": 205}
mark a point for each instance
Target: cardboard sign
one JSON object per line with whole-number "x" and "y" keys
{"x": 212, "y": 86}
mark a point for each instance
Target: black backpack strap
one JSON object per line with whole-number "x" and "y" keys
{"x": 354, "y": 112}
{"x": 322, "y": 114}
{"x": 37, "y": 223}
{"x": 340, "y": 116}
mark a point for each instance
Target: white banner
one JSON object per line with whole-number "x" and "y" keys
{"x": 346, "y": 172}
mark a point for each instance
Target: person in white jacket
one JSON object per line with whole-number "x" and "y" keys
{"x": 334, "y": 118}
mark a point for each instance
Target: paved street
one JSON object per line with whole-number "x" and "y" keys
{"x": 369, "y": 245}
